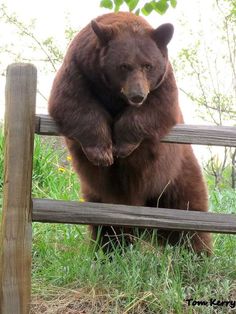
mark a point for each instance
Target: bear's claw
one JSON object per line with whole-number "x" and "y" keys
{"x": 99, "y": 155}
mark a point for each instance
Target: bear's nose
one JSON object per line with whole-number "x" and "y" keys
{"x": 137, "y": 99}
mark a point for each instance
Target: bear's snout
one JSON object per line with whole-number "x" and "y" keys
{"x": 136, "y": 89}
{"x": 137, "y": 99}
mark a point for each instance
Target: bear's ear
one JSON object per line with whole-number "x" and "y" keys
{"x": 163, "y": 34}
{"x": 103, "y": 32}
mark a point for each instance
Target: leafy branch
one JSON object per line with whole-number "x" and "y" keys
{"x": 49, "y": 50}
{"x": 134, "y": 6}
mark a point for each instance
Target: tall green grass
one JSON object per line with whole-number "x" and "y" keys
{"x": 53, "y": 176}
{"x": 144, "y": 279}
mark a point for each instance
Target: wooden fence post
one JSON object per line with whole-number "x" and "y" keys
{"x": 16, "y": 234}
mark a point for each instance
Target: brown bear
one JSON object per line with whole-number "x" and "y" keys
{"x": 114, "y": 98}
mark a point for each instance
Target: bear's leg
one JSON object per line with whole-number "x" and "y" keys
{"x": 192, "y": 195}
{"x": 164, "y": 236}
{"x": 199, "y": 241}
{"x": 108, "y": 237}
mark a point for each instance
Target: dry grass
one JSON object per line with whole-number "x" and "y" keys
{"x": 82, "y": 301}
{"x": 68, "y": 301}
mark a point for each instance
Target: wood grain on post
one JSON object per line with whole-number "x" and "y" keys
{"x": 16, "y": 237}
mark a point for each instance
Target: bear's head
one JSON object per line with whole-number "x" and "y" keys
{"x": 133, "y": 61}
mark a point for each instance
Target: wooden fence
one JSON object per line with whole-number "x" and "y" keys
{"x": 19, "y": 209}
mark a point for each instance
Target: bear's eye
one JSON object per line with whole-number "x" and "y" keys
{"x": 124, "y": 67}
{"x": 147, "y": 67}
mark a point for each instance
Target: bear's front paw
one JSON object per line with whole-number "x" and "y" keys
{"x": 99, "y": 155}
{"x": 124, "y": 150}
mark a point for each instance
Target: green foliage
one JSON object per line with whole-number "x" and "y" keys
{"x": 132, "y": 4}
{"x": 45, "y": 52}
{"x": 160, "y": 6}
{"x": 53, "y": 48}
{"x": 231, "y": 5}
{"x": 223, "y": 201}
{"x": 218, "y": 177}
{"x": 208, "y": 72}
{"x": 145, "y": 279}
{"x": 53, "y": 176}
{"x": 106, "y": 4}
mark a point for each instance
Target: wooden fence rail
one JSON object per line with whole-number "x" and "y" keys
{"x": 181, "y": 133}
{"x": 19, "y": 209}
{"x": 137, "y": 216}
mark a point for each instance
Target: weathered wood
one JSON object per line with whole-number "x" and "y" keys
{"x": 202, "y": 135}
{"x": 16, "y": 237}
{"x": 107, "y": 214}
{"x": 45, "y": 125}
{"x": 182, "y": 133}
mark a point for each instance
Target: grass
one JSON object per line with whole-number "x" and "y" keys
{"x": 53, "y": 176}
{"x": 69, "y": 276}
{"x": 146, "y": 279}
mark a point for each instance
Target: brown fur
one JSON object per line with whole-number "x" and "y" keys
{"x": 113, "y": 139}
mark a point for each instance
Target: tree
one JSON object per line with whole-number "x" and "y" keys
{"x": 137, "y": 6}
{"x": 45, "y": 53}
{"x": 208, "y": 67}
